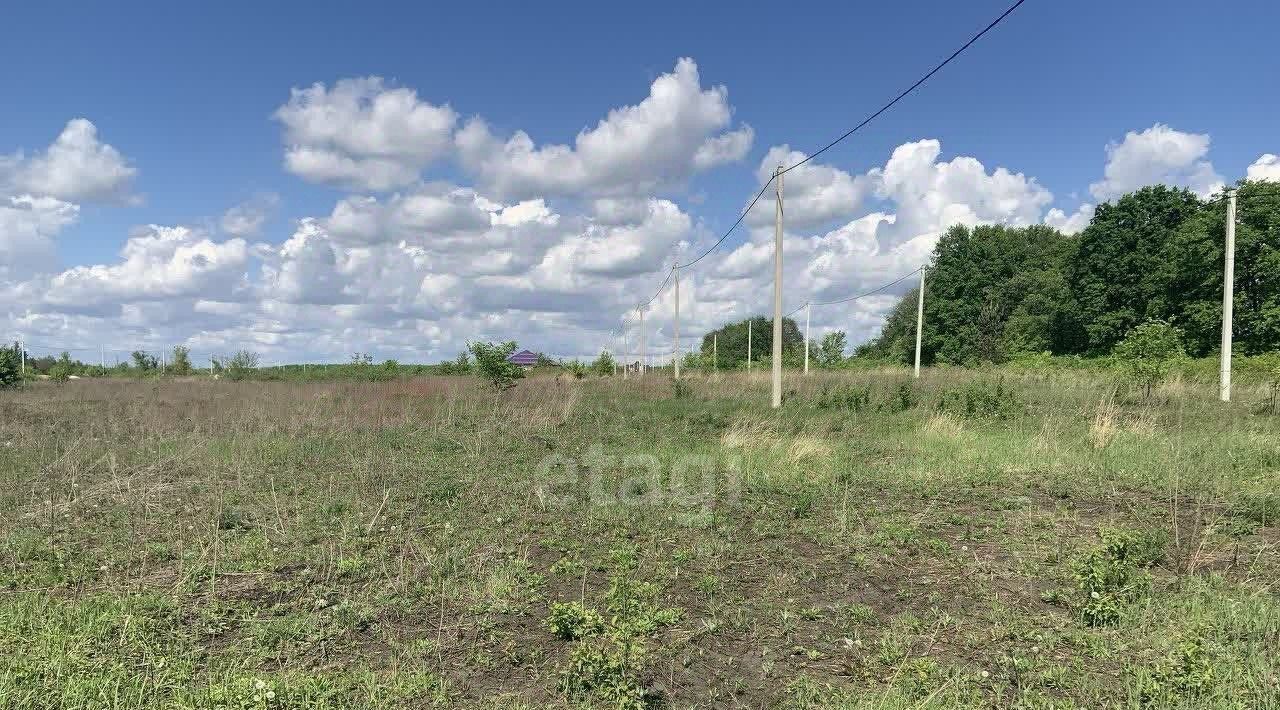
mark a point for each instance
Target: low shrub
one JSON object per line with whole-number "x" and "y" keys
{"x": 981, "y": 400}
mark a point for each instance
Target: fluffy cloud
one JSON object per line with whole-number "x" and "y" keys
{"x": 1267, "y": 167}
{"x": 814, "y": 194}
{"x": 246, "y": 219}
{"x": 76, "y": 167}
{"x": 677, "y": 130}
{"x": 363, "y": 134}
{"x": 430, "y": 213}
{"x": 1158, "y": 154}
{"x": 28, "y": 226}
{"x": 1070, "y": 223}
{"x": 157, "y": 263}
{"x": 926, "y": 195}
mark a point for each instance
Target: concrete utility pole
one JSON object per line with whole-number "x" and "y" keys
{"x": 644, "y": 350}
{"x": 676, "y": 330}
{"x": 919, "y": 321}
{"x": 626, "y": 352}
{"x": 715, "y": 351}
{"x": 748, "y": 345}
{"x": 806, "y": 338}
{"x": 102, "y": 357}
{"x": 22, "y": 354}
{"x": 1228, "y": 298}
{"x": 776, "y": 399}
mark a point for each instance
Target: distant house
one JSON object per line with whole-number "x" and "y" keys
{"x": 524, "y": 358}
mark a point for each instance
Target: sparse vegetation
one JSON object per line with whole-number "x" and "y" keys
{"x": 963, "y": 540}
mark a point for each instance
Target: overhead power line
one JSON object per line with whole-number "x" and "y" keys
{"x": 732, "y": 227}
{"x": 864, "y": 294}
{"x": 909, "y": 89}
{"x": 918, "y": 83}
{"x": 873, "y": 291}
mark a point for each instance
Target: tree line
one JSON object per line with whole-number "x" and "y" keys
{"x": 996, "y": 293}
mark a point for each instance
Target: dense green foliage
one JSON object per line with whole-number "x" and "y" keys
{"x": 9, "y": 375}
{"x": 730, "y": 342}
{"x": 997, "y": 293}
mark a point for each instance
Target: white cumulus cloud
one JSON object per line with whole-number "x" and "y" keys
{"x": 157, "y": 263}
{"x": 1157, "y": 155}
{"x": 679, "y": 129}
{"x": 1266, "y": 167}
{"x": 76, "y": 167}
{"x": 363, "y": 134}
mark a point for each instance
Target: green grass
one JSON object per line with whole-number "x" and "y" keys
{"x": 877, "y": 542}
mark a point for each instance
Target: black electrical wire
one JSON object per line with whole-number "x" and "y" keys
{"x": 909, "y": 89}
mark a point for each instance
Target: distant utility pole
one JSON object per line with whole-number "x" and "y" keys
{"x": 919, "y": 321}
{"x": 676, "y": 330}
{"x": 806, "y": 338}
{"x": 22, "y": 354}
{"x": 644, "y": 350}
{"x": 613, "y": 343}
{"x": 748, "y": 344}
{"x": 1228, "y": 298}
{"x": 102, "y": 356}
{"x": 626, "y": 351}
{"x": 715, "y": 351}
{"x": 776, "y": 400}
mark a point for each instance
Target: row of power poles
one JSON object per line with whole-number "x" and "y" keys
{"x": 1228, "y": 285}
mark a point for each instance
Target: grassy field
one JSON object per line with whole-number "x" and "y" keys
{"x": 1037, "y": 541}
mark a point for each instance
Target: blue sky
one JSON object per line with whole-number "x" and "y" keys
{"x": 187, "y": 98}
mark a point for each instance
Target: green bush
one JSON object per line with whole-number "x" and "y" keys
{"x": 855, "y": 399}
{"x": 981, "y": 400}
{"x": 1148, "y": 352}
{"x": 10, "y": 372}
{"x": 492, "y": 365}
{"x": 604, "y": 364}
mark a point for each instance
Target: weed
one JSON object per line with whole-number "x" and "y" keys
{"x": 1186, "y": 673}
{"x": 571, "y": 621}
{"x": 1112, "y": 576}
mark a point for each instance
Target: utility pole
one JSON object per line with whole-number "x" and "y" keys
{"x": 748, "y": 345}
{"x": 806, "y": 338}
{"x": 919, "y": 321}
{"x": 644, "y": 350}
{"x": 22, "y": 354}
{"x": 613, "y": 343}
{"x": 776, "y": 399}
{"x": 1228, "y": 298}
{"x": 626, "y": 352}
{"x": 715, "y": 351}
{"x": 676, "y": 330}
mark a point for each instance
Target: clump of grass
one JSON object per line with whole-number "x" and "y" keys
{"x": 1185, "y": 674}
{"x": 1104, "y": 424}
